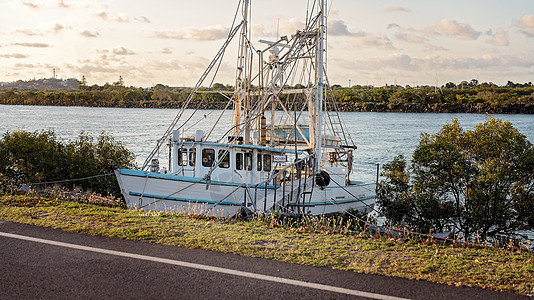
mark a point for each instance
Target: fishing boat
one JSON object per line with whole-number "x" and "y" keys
{"x": 286, "y": 150}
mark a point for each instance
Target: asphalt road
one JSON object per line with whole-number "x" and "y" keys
{"x": 44, "y": 263}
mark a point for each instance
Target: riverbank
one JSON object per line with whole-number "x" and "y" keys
{"x": 510, "y": 270}
{"x": 480, "y": 108}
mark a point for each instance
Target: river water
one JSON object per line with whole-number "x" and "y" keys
{"x": 379, "y": 136}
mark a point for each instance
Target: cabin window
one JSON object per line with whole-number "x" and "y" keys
{"x": 224, "y": 159}
{"x": 267, "y": 162}
{"x": 239, "y": 161}
{"x": 258, "y": 162}
{"x": 182, "y": 157}
{"x": 192, "y": 156}
{"x": 248, "y": 161}
{"x": 208, "y": 157}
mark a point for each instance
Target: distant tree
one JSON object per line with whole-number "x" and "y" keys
{"x": 120, "y": 82}
{"x": 479, "y": 181}
{"x": 160, "y": 86}
{"x": 218, "y": 86}
{"x": 83, "y": 83}
{"x": 336, "y": 86}
{"x": 510, "y": 84}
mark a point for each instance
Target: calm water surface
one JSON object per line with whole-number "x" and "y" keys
{"x": 379, "y": 136}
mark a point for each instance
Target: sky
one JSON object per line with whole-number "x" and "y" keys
{"x": 410, "y": 42}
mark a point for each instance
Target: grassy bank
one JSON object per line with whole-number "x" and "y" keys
{"x": 510, "y": 270}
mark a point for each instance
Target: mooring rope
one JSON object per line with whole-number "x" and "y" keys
{"x": 70, "y": 180}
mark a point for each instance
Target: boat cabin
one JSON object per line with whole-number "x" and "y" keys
{"x": 234, "y": 162}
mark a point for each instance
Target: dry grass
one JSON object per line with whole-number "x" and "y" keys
{"x": 510, "y": 270}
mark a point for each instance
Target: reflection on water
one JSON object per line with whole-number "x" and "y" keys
{"x": 379, "y": 136}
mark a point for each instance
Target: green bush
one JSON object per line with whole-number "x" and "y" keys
{"x": 478, "y": 182}
{"x": 40, "y": 156}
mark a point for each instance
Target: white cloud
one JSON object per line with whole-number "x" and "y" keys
{"x": 142, "y": 19}
{"x": 62, "y": 4}
{"x": 26, "y": 32}
{"x": 88, "y": 34}
{"x": 397, "y": 9}
{"x": 360, "y": 38}
{"x": 44, "y": 4}
{"x": 500, "y": 38}
{"x": 57, "y": 27}
{"x": 198, "y": 34}
{"x": 431, "y": 47}
{"x": 363, "y": 39}
{"x": 462, "y": 31}
{"x": 101, "y": 14}
{"x": 193, "y": 64}
{"x": 404, "y": 62}
{"x": 106, "y": 69}
{"x": 14, "y": 55}
{"x": 24, "y": 65}
{"x": 410, "y": 37}
{"x": 52, "y": 28}
{"x": 338, "y": 27}
{"x": 94, "y": 67}
{"x": 290, "y": 26}
{"x": 122, "y": 51}
{"x": 34, "y": 45}
{"x": 444, "y": 27}
{"x": 121, "y": 18}
{"x": 259, "y": 31}
{"x": 30, "y": 5}
{"x": 526, "y": 25}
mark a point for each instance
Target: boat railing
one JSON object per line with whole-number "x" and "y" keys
{"x": 286, "y": 189}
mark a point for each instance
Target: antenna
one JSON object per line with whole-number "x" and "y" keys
{"x": 436, "y": 86}
{"x": 54, "y": 73}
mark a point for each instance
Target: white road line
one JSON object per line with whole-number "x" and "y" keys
{"x": 205, "y": 268}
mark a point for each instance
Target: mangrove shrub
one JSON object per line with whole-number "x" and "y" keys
{"x": 475, "y": 182}
{"x": 40, "y": 156}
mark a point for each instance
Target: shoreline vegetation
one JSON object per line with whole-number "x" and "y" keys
{"x": 466, "y": 97}
{"x": 336, "y": 242}
{"x": 322, "y": 243}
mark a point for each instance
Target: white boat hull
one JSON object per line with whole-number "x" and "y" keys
{"x": 190, "y": 195}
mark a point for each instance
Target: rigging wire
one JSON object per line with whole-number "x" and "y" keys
{"x": 213, "y": 78}
{"x": 71, "y": 180}
{"x": 218, "y": 58}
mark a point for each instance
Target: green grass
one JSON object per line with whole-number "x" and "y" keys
{"x": 510, "y": 270}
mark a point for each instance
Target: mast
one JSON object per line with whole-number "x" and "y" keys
{"x": 241, "y": 89}
{"x": 320, "y": 84}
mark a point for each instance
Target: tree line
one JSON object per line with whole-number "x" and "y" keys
{"x": 463, "y": 97}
